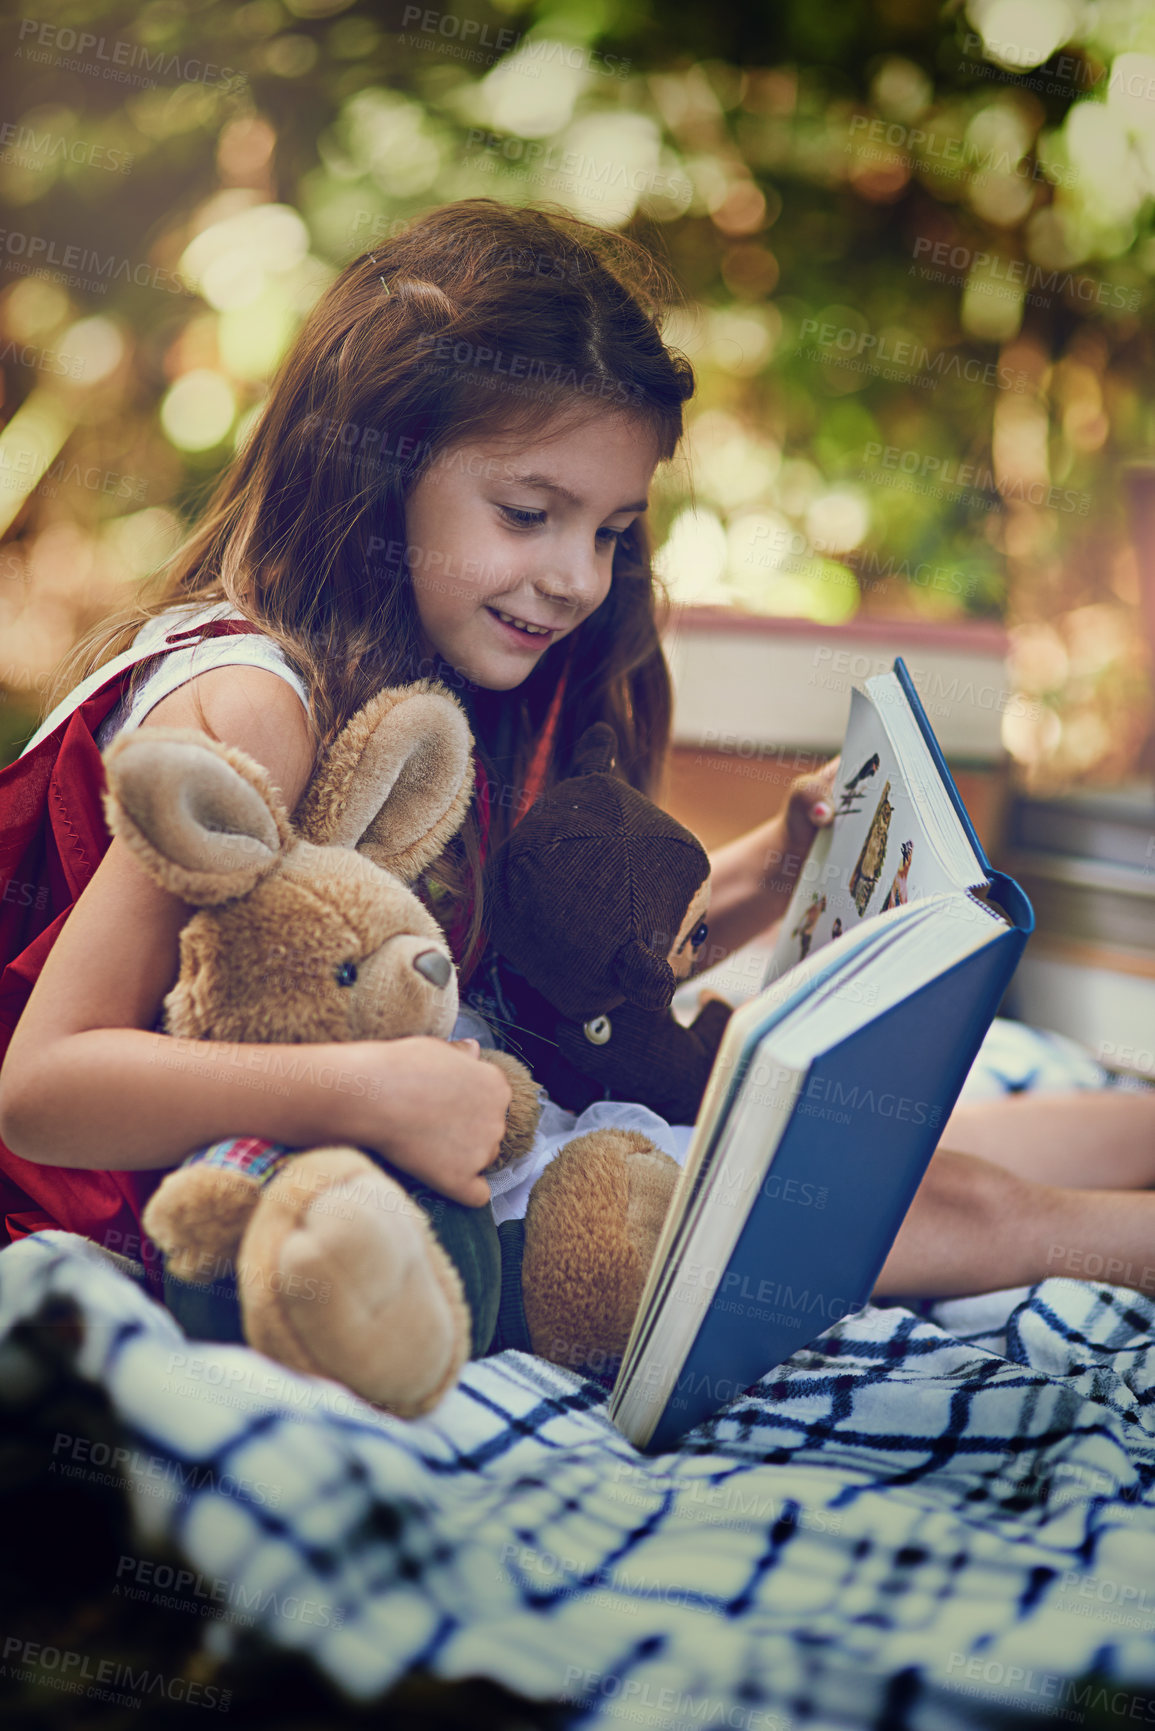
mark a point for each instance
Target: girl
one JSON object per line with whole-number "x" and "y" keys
{"x": 450, "y": 475}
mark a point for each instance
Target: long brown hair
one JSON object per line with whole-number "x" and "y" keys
{"x": 476, "y": 317}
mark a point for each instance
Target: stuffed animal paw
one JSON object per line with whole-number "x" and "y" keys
{"x": 523, "y": 1112}
{"x": 342, "y": 1276}
{"x": 591, "y": 1229}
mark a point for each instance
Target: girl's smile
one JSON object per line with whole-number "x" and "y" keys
{"x": 523, "y": 633}
{"x": 511, "y": 546}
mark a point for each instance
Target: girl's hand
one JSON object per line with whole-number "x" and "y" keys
{"x": 438, "y": 1112}
{"x": 786, "y": 839}
{"x": 753, "y": 876}
{"x": 810, "y": 806}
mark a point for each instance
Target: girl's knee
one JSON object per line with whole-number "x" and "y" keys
{"x": 965, "y": 1188}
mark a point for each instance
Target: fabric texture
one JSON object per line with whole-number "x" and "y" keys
{"x": 645, "y": 1052}
{"x": 589, "y": 891}
{"x": 512, "y": 1332}
{"x": 250, "y": 1155}
{"x": 920, "y": 1522}
{"x": 584, "y": 901}
{"x": 457, "y": 928}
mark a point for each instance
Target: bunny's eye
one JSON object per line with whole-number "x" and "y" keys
{"x": 346, "y": 974}
{"x": 698, "y": 935}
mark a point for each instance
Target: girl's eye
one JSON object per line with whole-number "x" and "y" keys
{"x": 614, "y": 536}
{"x": 698, "y": 935}
{"x": 346, "y": 974}
{"x": 523, "y": 519}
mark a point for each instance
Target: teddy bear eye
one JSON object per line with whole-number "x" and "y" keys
{"x": 346, "y": 974}
{"x": 698, "y": 935}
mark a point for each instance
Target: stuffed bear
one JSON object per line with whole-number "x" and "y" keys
{"x": 366, "y": 961}
{"x": 595, "y": 908}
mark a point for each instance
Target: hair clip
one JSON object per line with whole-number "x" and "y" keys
{"x": 380, "y": 278}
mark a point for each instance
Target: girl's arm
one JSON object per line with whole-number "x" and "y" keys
{"x": 87, "y": 1084}
{"x": 752, "y": 878}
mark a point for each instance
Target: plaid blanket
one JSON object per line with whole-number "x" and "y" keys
{"x": 927, "y": 1520}
{"x": 926, "y": 1516}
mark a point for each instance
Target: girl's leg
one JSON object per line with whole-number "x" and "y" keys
{"x": 206, "y": 1312}
{"x": 975, "y": 1227}
{"x": 1083, "y": 1139}
{"x": 469, "y": 1238}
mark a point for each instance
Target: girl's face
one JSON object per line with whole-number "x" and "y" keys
{"x": 511, "y": 546}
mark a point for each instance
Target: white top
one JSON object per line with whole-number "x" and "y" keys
{"x": 172, "y": 668}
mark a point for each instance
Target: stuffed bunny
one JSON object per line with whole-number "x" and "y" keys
{"x": 369, "y": 962}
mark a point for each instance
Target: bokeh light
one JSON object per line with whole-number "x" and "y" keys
{"x": 532, "y": 92}
{"x": 1021, "y": 34}
{"x": 93, "y": 348}
{"x": 230, "y": 261}
{"x": 916, "y": 252}
{"x": 198, "y": 411}
{"x": 692, "y": 559}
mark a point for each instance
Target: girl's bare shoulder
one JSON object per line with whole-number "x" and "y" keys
{"x": 252, "y": 708}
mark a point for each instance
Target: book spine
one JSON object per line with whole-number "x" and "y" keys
{"x": 1012, "y": 898}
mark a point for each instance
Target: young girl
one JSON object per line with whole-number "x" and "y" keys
{"x": 450, "y": 475}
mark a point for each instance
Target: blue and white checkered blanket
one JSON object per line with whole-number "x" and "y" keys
{"x": 925, "y": 1521}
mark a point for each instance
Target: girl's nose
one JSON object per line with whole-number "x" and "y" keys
{"x": 576, "y": 584}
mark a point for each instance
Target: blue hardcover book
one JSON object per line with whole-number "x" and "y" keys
{"x": 831, "y": 1088}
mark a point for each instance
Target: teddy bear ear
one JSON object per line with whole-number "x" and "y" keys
{"x": 203, "y": 819}
{"x": 596, "y": 750}
{"x": 396, "y": 782}
{"x": 646, "y": 980}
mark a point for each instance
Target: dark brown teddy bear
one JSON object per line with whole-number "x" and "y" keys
{"x": 595, "y": 907}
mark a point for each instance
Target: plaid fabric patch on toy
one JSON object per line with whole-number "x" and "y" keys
{"x": 251, "y": 1155}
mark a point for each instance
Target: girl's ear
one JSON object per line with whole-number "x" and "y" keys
{"x": 203, "y": 819}
{"x": 396, "y": 782}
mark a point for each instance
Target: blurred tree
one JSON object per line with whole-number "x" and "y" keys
{"x": 916, "y": 247}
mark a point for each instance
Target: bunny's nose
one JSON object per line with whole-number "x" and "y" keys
{"x": 434, "y": 966}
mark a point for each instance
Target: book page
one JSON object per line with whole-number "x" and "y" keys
{"x": 876, "y": 855}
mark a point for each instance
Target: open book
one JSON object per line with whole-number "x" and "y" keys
{"x": 831, "y": 1088}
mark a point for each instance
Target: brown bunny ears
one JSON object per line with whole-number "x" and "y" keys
{"x": 203, "y": 819}
{"x": 207, "y": 823}
{"x": 413, "y": 744}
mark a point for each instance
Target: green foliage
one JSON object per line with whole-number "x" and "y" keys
{"x": 916, "y": 263}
